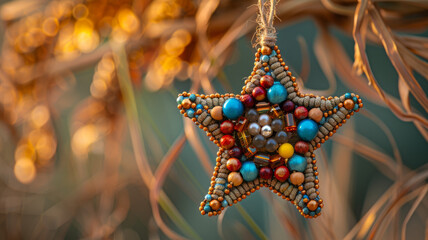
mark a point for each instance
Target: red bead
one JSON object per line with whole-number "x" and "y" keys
{"x": 288, "y": 106}
{"x": 266, "y": 173}
{"x": 227, "y": 141}
{"x": 301, "y": 147}
{"x": 266, "y": 81}
{"x": 233, "y": 164}
{"x": 226, "y": 127}
{"x": 301, "y": 113}
{"x": 259, "y": 93}
{"x": 282, "y": 173}
{"x": 235, "y": 152}
{"x": 247, "y": 100}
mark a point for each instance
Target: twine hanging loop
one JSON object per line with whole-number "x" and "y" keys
{"x": 266, "y": 33}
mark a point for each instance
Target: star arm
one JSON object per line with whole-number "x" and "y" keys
{"x": 205, "y": 111}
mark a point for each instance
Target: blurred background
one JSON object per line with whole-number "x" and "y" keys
{"x": 92, "y": 145}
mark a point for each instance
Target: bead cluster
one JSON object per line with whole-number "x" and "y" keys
{"x": 267, "y": 135}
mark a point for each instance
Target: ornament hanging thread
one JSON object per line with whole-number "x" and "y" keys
{"x": 268, "y": 133}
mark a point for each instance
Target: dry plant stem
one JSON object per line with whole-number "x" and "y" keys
{"x": 157, "y": 182}
{"x": 362, "y": 62}
{"x": 135, "y": 131}
{"x": 412, "y": 211}
{"x": 413, "y": 180}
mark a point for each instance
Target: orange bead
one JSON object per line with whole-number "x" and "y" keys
{"x": 217, "y": 113}
{"x": 235, "y": 178}
{"x": 312, "y": 205}
{"x": 215, "y": 204}
{"x": 297, "y": 178}
{"x": 186, "y": 103}
{"x": 266, "y": 50}
{"x": 349, "y": 104}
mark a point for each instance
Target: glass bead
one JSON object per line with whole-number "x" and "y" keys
{"x": 252, "y": 115}
{"x": 241, "y": 123}
{"x": 271, "y": 145}
{"x": 259, "y": 141}
{"x": 262, "y": 107}
{"x": 265, "y": 58}
{"x": 261, "y": 160}
{"x": 264, "y": 119}
{"x": 288, "y": 106}
{"x": 254, "y": 129}
{"x": 249, "y": 171}
{"x": 247, "y": 100}
{"x": 180, "y": 99}
{"x": 192, "y": 97}
{"x": 266, "y": 131}
{"x": 282, "y": 173}
{"x": 266, "y": 173}
{"x": 277, "y": 125}
{"x": 291, "y": 123}
{"x": 281, "y": 137}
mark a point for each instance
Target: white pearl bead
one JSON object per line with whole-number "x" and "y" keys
{"x": 267, "y": 131}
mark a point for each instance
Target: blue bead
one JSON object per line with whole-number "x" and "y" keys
{"x": 190, "y": 113}
{"x": 180, "y": 99}
{"x": 347, "y": 95}
{"x": 356, "y": 107}
{"x": 224, "y": 203}
{"x": 305, "y": 196}
{"x": 233, "y": 108}
{"x": 207, "y": 208}
{"x": 244, "y": 158}
{"x": 249, "y": 171}
{"x": 265, "y": 58}
{"x": 322, "y": 121}
{"x": 312, "y": 214}
{"x": 192, "y": 97}
{"x": 277, "y": 93}
{"x": 272, "y": 54}
{"x": 305, "y": 210}
{"x": 208, "y": 197}
{"x": 318, "y": 210}
{"x": 297, "y": 163}
{"x": 269, "y": 73}
{"x": 355, "y": 99}
{"x": 307, "y": 129}
{"x": 199, "y": 106}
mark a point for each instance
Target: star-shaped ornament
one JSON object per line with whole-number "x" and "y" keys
{"x": 267, "y": 135}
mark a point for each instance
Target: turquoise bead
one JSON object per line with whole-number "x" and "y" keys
{"x": 277, "y": 93}
{"x": 297, "y": 163}
{"x": 199, "y": 106}
{"x": 318, "y": 210}
{"x": 356, "y": 107}
{"x": 233, "y": 108}
{"x": 190, "y": 113}
{"x": 180, "y": 99}
{"x": 224, "y": 203}
{"x": 272, "y": 54}
{"x": 207, "y": 208}
{"x": 355, "y": 99}
{"x": 305, "y": 210}
{"x": 249, "y": 171}
{"x": 312, "y": 214}
{"x": 208, "y": 197}
{"x": 307, "y": 129}
{"x": 192, "y": 97}
{"x": 265, "y": 58}
{"x": 348, "y": 95}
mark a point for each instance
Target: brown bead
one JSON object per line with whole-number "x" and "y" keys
{"x": 217, "y": 113}
{"x": 312, "y": 205}
{"x": 266, "y": 50}
{"x": 235, "y": 178}
{"x": 297, "y": 178}
{"x": 215, "y": 204}
{"x": 186, "y": 103}
{"x": 349, "y": 104}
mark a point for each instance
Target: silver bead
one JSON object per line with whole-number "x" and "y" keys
{"x": 252, "y": 115}
{"x": 264, "y": 119}
{"x": 254, "y": 129}
{"x": 266, "y": 131}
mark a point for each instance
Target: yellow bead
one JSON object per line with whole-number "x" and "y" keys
{"x": 286, "y": 150}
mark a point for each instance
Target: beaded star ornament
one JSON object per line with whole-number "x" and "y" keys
{"x": 267, "y": 135}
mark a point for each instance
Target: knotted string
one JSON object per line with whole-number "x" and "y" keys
{"x": 266, "y": 33}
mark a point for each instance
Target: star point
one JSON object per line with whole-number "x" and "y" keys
{"x": 267, "y": 135}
